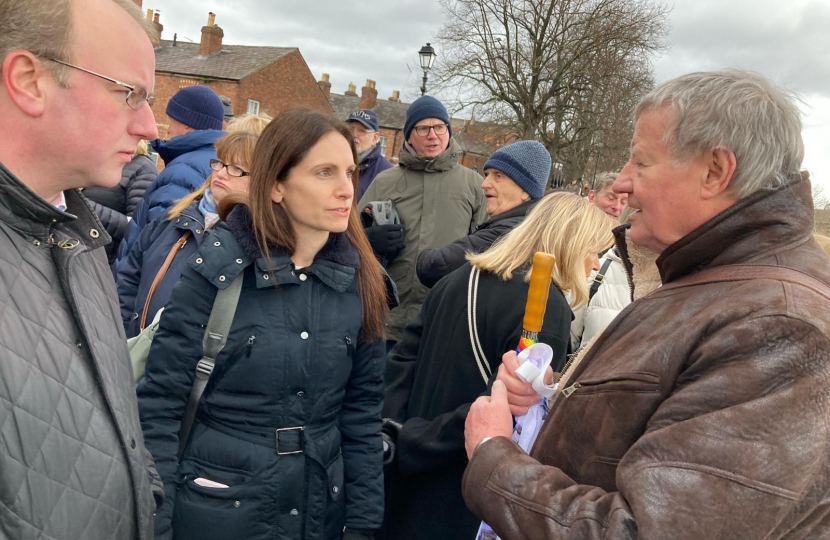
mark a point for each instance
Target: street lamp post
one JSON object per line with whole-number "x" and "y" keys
{"x": 427, "y": 56}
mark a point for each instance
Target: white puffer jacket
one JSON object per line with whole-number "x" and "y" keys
{"x": 612, "y": 296}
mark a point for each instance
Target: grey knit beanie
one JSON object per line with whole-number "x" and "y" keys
{"x": 526, "y": 162}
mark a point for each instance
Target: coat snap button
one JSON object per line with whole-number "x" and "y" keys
{"x": 294, "y": 512}
{"x": 80, "y": 345}
{"x": 199, "y": 260}
{"x": 303, "y": 277}
{"x": 94, "y": 233}
{"x": 132, "y": 444}
{"x": 217, "y": 244}
{"x": 335, "y": 490}
{"x": 238, "y": 261}
{"x": 37, "y": 243}
{"x": 304, "y": 335}
{"x": 222, "y": 278}
{"x": 266, "y": 277}
{"x": 198, "y": 231}
{"x": 300, "y": 394}
{"x": 185, "y": 223}
{"x": 236, "y": 504}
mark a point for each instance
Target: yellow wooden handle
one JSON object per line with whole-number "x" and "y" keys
{"x": 537, "y": 292}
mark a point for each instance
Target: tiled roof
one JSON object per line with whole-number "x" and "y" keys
{"x": 234, "y": 62}
{"x": 391, "y": 114}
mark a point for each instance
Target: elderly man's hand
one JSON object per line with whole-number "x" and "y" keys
{"x": 520, "y": 395}
{"x": 489, "y": 416}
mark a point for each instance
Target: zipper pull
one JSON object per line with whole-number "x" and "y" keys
{"x": 349, "y": 346}
{"x": 571, "y": 389}
{"x": 251, "y": 341}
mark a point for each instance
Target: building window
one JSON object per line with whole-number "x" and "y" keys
{"x": 253, "y": 106}
{"x": 382, "y": 142}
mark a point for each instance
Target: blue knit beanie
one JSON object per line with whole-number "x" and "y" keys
{"x": 425, "y": 107}
{"x": 198, "y": 107}
{"x": 526, "y": 162}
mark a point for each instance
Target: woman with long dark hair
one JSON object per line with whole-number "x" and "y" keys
{"x": 286, "y": 442}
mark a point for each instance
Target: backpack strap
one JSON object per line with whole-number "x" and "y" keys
{"x": 598, "y": 279}
{"x": 216, "y": 335}
{"x": 745, "y": 272}
{"x": 160, "y": 275}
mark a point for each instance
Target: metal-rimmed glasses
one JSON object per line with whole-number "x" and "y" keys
{"x": 233, "y": 170}
{"x": 423, "y": 131}
{"x": 136, "y": 95}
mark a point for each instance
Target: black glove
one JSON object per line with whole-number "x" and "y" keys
{"x": 389, "y": 431}
{"x": 355, "y": 534}
{"x": 386, "y": 240}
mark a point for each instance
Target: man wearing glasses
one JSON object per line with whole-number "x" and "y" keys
{"x": 195, "y": 115}
{"x": 438, "y": 201}
{"x": 364, "y": 126}
{"x": 75, "y": 96}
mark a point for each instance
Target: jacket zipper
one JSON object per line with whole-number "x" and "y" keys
{"x": 244, "y": 349}
{"x": 349, "y": 345}
{"x": 611, "y": 382}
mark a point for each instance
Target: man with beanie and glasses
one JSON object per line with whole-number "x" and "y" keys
{"x": 196, "y": 114}
{"x": 437, "y": 199}
{"x": 515, "y": 179}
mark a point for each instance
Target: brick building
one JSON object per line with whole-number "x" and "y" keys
{"x": 256, "y": 79}
{"x": 391, "y": 113}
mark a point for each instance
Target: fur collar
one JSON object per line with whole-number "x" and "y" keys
{"x": 338, "y": 249}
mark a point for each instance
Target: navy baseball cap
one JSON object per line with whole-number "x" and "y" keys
{"x": 367, "y": 117}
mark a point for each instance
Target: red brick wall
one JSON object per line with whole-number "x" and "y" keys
{"x": 284, "y": 84}
{"x": 167, "y": 85}
{"x": 392, "y": 146}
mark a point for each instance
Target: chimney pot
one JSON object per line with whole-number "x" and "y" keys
{"x": 325, "y": 85}
{"x": 211, "y": 37}
{"x": 352, "y": 90}
{"x": 149, "y": 14}
{"x": 368, "y": 95}
{"x": 396, "y": 96}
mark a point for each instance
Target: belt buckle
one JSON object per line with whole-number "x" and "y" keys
{"x": 301, "y": 429}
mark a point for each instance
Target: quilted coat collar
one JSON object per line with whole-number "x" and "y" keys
{"x": 755, "y": 227}
{"x": 444, "y": 161}
{"x": 232, "y": 246}
{"x": 26, "y": 212}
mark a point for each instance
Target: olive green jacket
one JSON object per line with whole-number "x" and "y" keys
{"x": 438, "y": 201}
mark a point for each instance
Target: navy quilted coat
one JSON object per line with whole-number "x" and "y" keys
{"x": 72, "y": 460}
{"x": 186, "y": 167}
{"x": 290, "y": 420}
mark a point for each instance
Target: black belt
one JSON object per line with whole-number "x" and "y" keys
{"x": 285, "y": 441}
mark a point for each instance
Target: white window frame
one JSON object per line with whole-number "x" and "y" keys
{"x": 253, "y": 106}
{"x": 382, "y": 142}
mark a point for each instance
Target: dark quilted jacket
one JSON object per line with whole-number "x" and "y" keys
{"x": 114, "y": 205}
{"x": 72, "y": 458}
{"x": 293, "y": 359}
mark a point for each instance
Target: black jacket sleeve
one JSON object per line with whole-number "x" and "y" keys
{"x": 115, "y": 224}
{"x": 139, "y": 181}
{"x": 435, "y": 263}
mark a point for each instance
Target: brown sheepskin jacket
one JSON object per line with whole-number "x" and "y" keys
{"x": 700, "y": 413}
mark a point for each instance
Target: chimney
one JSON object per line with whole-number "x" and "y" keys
{"x": 325, "y": 85}
{"x": 368, "y": 95}
{"x": 352, "y": 90}
{"x": 211, "y": 37}
{"x": 150, "y": 15}
{"x": 396, "y": 96}
{"x": 156, "y": 22}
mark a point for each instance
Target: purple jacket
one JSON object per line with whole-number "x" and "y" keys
{"x": 369, "y": 168}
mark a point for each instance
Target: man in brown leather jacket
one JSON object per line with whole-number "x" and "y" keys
{"x": 703, "y": 410}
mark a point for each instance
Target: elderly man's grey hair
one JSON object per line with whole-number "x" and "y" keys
{"x": 605, "y": 180}
{"x": 739, "y": 110}
{"x": 44, "y": 28}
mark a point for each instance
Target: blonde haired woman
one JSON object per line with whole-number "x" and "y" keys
{"x": 433, "y": 376}
{"x": 254, "y": 123}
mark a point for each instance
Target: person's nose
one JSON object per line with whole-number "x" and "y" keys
{"x": 431, "y": 133}
{"x": 595, "y": 265}
{"x": 623, "y": 182}
{"x": 345, "y": 188}
{"x": 143, "y": 123}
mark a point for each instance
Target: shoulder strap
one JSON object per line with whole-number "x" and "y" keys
{"x": 744, "y": 272}
{"x": 598, "y": 279}
{"x": 160, "y": 275}
{"x": 216, "y": 335}
{"x": 472, "y": 300}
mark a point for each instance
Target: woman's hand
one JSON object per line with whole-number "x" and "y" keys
{"x": 520, "y": 395}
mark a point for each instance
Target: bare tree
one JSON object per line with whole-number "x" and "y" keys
{"x": 821, "y": 200}
{"x": 554, "y": 70}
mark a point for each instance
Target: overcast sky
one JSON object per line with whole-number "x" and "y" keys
{"x": 788, "y": 41}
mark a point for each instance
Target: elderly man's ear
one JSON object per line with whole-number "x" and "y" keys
{"x": 24, "y": 78}
{"x": 721, "y": 164}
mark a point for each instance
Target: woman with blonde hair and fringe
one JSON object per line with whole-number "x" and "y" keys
{"x": 146, "y": 277}
{"x": 433, "y": 373}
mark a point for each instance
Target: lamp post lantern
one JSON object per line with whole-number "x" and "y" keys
{"x": 427, "y": 57}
